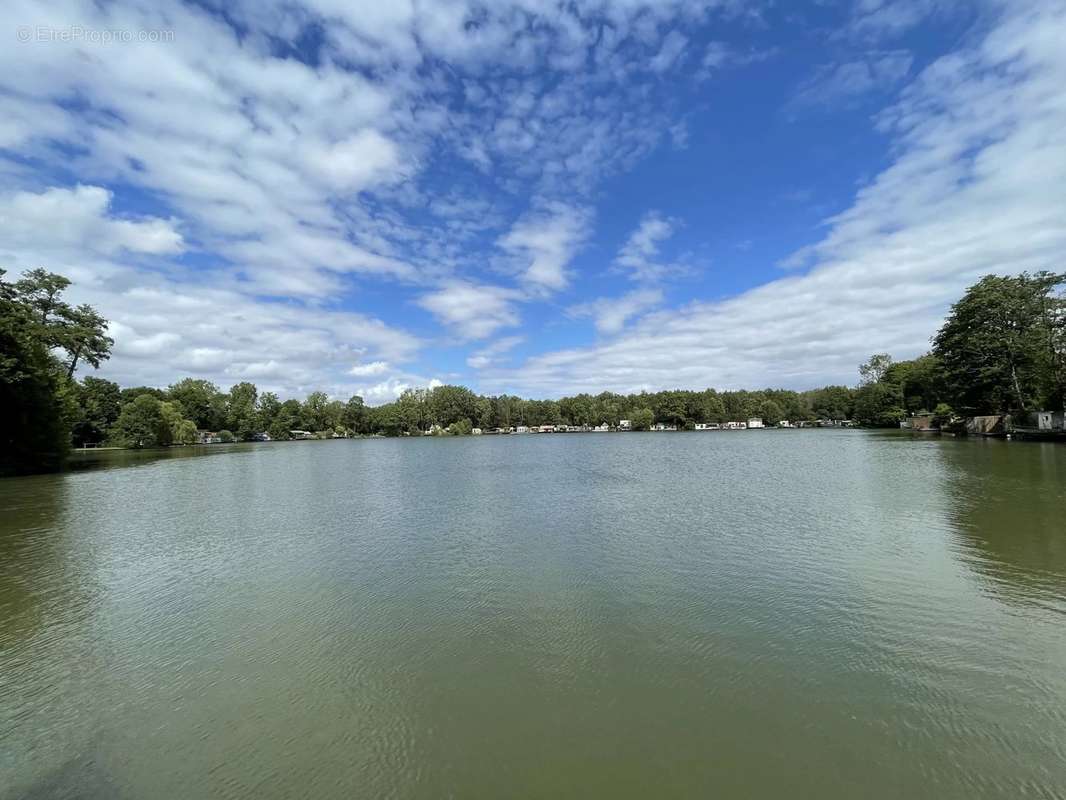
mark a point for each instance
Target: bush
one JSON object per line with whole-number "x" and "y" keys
{"x": 461, "y": 427}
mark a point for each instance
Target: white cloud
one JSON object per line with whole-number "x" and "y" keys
{"x": 80, "y": 218}
{"x": 254, "y": 152}
{"x": 473, "y": 310}
{"x": 639, "y": 256}
{"x": 491, "y": 354}
{"x": 356, "y": 162}
{"x": 611, "y": 313}
{"x": 372, "y": 368}
{"x": 671, "y": 50}
{"x": 374, "y": 394}
{"x": 878, "y": 19}
{"x": 719, "y": 55}
{"x": 844, "y": 83}
{"x": 301, "y": 180}
{"x": 164, "y": 330}
{"x": 544, "y": 242}
{"x": 975, "y": 187}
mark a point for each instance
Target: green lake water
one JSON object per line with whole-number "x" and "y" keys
{"x": 763, "y": 614}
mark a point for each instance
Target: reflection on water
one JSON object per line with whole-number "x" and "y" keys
{"x": 42, "y": 566}
{"x": 106, "y": 458}
{"x": 1008, "y": 500}
{"x": 781, "y": 613}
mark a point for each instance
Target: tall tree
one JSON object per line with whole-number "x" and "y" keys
{"x": 81, "y": 332}
{"x": 313, "y": 414}
{"x": 42, "y": 292}
{"x": 642, "y": 419}
{"x": 143, "y": 423}
{"x": 84, "y": 338}
{"x": 268, "y": 408}
{"x": 355, "y": 415}
{"x": 204, "y": 404}
{"x": 996, "y": 346}
{"x": 35, "y": 403}
{"x": 99, "y": 403}
{"x": 873, "y": 371}
{"x": 241, "y": 413}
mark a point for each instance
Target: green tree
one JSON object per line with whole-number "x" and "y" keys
{"x": 41, "y": 292}
{"x": 997, "y": 345}
{"x": 130, "y": 394}
{"x": 830, "y": 402}
{"x": 286, "y": 419}
{"x": 448, "y": 404}
{"x": 878, "y": 405}
{"x": 709, "y": 407}
{"x": 35, "y": 408}
{"x": 242, "y": 414}
{"x": 873, "y": 371}
{"x": 670, "y": 407}
{"x": 461, "y": 427}
{"x": 642, "y": 419}
{"x": 84, "y": 337}
{"x": 413, "y": 411}
{"x": 355, "y": 415}
{"x": 334, "y": 415}
{"x": 81, "y": 332}
{"x": 313, "y": 413}
{"x": 143, "y": 423}
{"x": 267, "y": 410}
{"x": 184, "y": 432}
{"x": 182, "y": 429}
{"x": 386, "y": 419}
{"x": 920, "y": 382}
{"x": 98, "y": 405}
{"x": 770, "y": 411}
{"x": 204, "y": 404}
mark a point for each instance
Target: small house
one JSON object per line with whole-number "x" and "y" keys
{"x": 984, "y": 425}
{"x": 625, "y": 425}
{"x": 755, "y": 422}
{"x": 921, "y": 422}
{"x": 1049, "y": 420}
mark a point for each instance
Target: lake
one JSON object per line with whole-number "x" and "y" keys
{"x": 763, "y": 614}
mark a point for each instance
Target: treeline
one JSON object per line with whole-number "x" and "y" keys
{"x": 150, "y": 417}
{"x": 1002, "y": 348}
{"x": 457, "y": 409}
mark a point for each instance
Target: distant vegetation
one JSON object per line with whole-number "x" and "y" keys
{"x": 1002, "y": 348}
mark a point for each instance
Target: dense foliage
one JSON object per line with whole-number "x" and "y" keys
{"x": 42, "y": 341}
{"x": 1002, "y": 348}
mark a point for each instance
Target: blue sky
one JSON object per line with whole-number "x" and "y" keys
{"x": 532, "y": 197}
